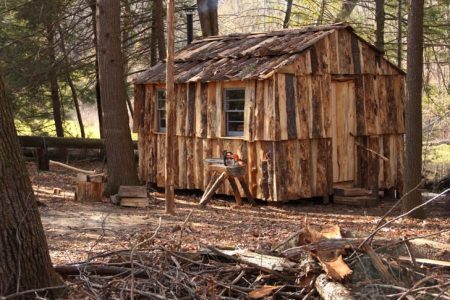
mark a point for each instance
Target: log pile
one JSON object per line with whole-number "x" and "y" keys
{"x": 312, "y": 263}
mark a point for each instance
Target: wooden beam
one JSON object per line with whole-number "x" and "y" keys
{"x": 170, "y": 110}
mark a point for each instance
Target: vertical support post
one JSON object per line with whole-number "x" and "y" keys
{"x": 43, "y": 160}
{"x": 170, "y": 110}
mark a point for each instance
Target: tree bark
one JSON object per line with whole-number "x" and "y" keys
{"x": 24, "y": 260}
{"x": 346, "y": 10}
{"x": 170, "y": 110}
{"x": 380, "y": 19}
{"x": 413, "y": 113}
{"x": 53, "y": 80}
{"x": 125, "y": 37}
{"x": 321, "y": 13}
{"x": 287, "y": 15}
{"x": 119, "y": 148}
{"x": 97, "y": 77}
{"x": 207, "y": 12}
{"x": 399, "y": 33}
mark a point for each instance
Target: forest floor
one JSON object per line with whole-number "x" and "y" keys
{"x": 76, "y": 231}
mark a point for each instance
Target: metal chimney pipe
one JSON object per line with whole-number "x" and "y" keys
{"x": 190, "y": 25}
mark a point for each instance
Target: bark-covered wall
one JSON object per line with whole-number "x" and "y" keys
{"x": 296, "y": 116}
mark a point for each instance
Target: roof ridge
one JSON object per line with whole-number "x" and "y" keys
{"x": 278, "y": 32}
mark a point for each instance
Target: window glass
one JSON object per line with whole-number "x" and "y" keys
{"x": 234, "y": 111}
{"x": 161, "y": 110}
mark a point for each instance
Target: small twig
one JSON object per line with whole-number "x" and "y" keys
{"x": 411, "y": 256}
{"x": 132, "y": 254}
{"x": 182, "y": 229}
{"x": 401, "y": 216}
{"x": 18, "y": 294}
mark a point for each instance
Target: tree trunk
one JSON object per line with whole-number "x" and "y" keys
{"x": 346, "y": 10}
{"x": 380, "y": 19}
{"x": 287, "y": 15}
{"x": 53, "y": 80}
{"x": 413, "y": 114}
{"x": 158, "y": 43}
{"x": 399, "y": 33}
{"x": 24, "y": 261}
{"x": 322, "y": 12}
{"x": 125, "y": 37}
{"x": 97, "y": 77}
{"x": 119, "y": 148}
{"x": 170, "y": 110}
{"x": 73, "y": 90}
{"x": 207, "y": 12}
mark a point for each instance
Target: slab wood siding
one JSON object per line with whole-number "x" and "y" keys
{"x": 290, "y": 115}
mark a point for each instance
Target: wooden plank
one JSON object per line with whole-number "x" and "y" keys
{"x": 360, "y": 108}
{"x": 392, "y": 107}
{"x": 132, "y": 191}
{"x": 211, "y": 111}
{"x": 198, "y": 160}
{"x": 304, "y": 107}
{"x": 191, "y": 109}
{"x": 322, "y": 187}
{"x": 291, "y": 106}
{"x": 370, "y": 105}
{"x": 281, "y": 131}
{"x": 334, "y": 53}
{"x": 181, "y": 109}
{"x": 190, "y": 163}
{"x": 399, "y": 87}
{"x": 259, "y": 117}
{"x": 201, "y": 103}
{"x": 305, "y": 168}
{"x": 182, "y": 163}
{"x": 134, "y": 202}
{"x": 426, "y": 261}
{"x": 359, "y": 201}
{"x": 209, "y": 193}
{"x": 220, "y": 115}
{"x": 356, "y": 57}
{"x": 234, "y": 187}
{"x": 317, "y": 113}
{"x": 250, "y": 122}
{"x": 269, "y": 110}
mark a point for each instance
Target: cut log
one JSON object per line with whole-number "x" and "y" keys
{"x": 330, "y": 290}
{"x": 134, "y": 202}
{"x": 132, "y": 191}
{"x": 88, "y": 191}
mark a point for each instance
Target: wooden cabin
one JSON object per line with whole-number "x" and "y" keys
{"x": 307, "y": 108}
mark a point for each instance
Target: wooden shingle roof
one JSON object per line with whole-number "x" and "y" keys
{"x": 239, "y": 56}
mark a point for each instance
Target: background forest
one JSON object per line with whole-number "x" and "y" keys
{"x": 48, "y": 53}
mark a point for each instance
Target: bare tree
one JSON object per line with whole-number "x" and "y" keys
{"x": 25, "y": 263}
{"x": 399, "y": 33}
{"x": 380, "y": 19}
{"x": 207, "y": 12}
{"x": 118, "y": 144}
{"x": 287, "y": 15}
{"x": 157, "y": 38}
{"x": 413, "y": 117}
{"x": 170, "y": 110}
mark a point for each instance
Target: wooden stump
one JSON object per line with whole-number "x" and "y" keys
{"x": 89, "y": 191}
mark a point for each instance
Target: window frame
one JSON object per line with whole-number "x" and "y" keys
{"x": 226, "y": 100}
{"x": 160, "y": 112}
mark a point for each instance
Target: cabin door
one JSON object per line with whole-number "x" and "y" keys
{"x": 343, "y": 128}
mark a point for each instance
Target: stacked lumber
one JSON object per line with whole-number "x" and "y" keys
{"x": 133, "y": 196}
{"x": 359, "y": 197}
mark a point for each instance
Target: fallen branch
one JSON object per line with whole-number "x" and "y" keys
{"x": 330, "y": 290}
{"x": 401, "y": 216}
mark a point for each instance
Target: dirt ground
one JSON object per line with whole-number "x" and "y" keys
{"x": 76, "y": 231}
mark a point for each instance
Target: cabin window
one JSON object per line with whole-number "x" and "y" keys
{"x": 234, "y": 111}
{"x": 161, "y": 110}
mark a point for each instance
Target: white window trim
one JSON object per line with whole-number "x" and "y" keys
{"x": 228, "y": 132}
{"x": 160, "y": 111}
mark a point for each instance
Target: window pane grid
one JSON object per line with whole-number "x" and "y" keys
{"x": 234, "y": 111}
{"x": 161, "y": 109}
